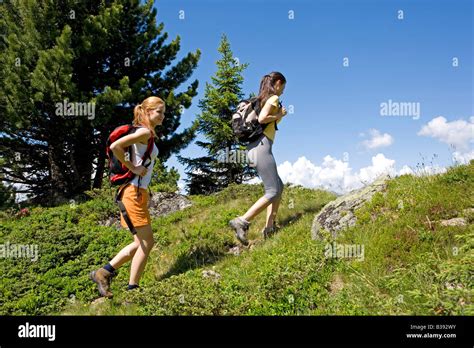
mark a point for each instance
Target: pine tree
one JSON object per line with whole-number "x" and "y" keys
{"x": 6, "y": 193}
{"x": 109, "y": 54}
{"x": 215, "y": 171}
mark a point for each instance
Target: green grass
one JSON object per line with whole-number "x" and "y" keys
{"x": 412, "y": 264}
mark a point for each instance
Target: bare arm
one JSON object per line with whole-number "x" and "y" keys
{"x": 267, "y": 116}
{"x": 118, "y": 148}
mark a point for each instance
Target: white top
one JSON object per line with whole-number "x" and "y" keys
{"x": 138, "y": 151}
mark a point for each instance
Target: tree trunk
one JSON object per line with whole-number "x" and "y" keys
{"x": 58, "y": 185}
{"x": 99, "y": 174}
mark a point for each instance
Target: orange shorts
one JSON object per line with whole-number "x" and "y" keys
{"x": 137, "y": 208}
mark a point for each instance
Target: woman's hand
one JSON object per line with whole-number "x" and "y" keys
{"x": 266, "y": 116}
{"x": 282, "y": 111}
{"x": 118, "y": 148}
{"x": 139, "y": 170}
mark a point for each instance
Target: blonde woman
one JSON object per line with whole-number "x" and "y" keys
{"x": 260, "y": 152}
{"x": 135, "y": 196}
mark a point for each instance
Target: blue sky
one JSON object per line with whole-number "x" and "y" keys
{"x": 403, "y": 60}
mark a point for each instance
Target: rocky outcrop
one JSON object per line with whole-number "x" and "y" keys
{"x": 339, "y": 213}
{"x": 164, "y": 203}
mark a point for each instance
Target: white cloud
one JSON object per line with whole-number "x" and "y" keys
{"x": 255, "y": 180}
{"x": 377, "y": 140}
{"x": 426, "y": 170}
{"x": 181, "y": 186}
{"x": 459, "y": 134}
{"x": 334, "y": 174}
{"x": 463, "y": 157}
{"x": 380, "y": 165}
{"x": 406, "y": 170}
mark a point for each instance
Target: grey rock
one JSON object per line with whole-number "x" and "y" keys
{"x": 339, "y": 214}
{"x": 72, "y": 299}
{"x": 236, "y": 250}
{"x": 161, "y": 204}
{"x": 164, "y": 203}
{"x": 112, "y": 221}
{"x": 454, "y": 222}
{"x": 211, "y": 274}
{"x": 98, "y": 301}
{"x": 468, "y": 211}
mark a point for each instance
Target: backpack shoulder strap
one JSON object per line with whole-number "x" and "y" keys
{"x": 149, "y": 149}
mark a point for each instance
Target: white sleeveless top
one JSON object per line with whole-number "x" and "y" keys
{"x": 138, "y": 151}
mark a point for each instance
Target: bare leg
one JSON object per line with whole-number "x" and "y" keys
{"x": 126, "y": 254}
{"x": 272, "y": 211}
{"x": 256, "y": 208}
{"x": 145, "y": 237}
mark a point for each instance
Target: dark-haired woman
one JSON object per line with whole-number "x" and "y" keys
{"x": 260, "y": 153}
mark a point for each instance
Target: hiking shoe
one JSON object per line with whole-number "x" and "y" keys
{"x": 132, "y": 287}
{"x": 268, "y": 231}
{"x": 102, "y": 278}
{"x": 241, "y": 228}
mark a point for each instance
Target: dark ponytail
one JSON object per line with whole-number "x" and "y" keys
{"x": 267, "y": 86}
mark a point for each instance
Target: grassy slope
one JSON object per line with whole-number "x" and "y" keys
{"x": 412, "y": 264}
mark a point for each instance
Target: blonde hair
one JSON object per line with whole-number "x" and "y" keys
{"x": 139, "y": 112}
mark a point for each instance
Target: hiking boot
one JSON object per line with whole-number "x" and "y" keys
{"x": 102, "y": 278}
{"x": 267, "y": 232}
{"x": 241, "y": 228}
{"x": 132, "y": 287}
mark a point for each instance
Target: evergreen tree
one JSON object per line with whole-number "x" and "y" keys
{"x": 224, "y": 162}
{"x": 7, "y": 198}
{"x": 109, "y": 55}
{"x": 164, "y": 179}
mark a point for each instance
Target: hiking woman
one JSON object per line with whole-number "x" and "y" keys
{"x": 260, "y": 153}
{"x": 135, "y": 197}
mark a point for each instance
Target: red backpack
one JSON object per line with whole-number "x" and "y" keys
{"x": 119, "y": 174}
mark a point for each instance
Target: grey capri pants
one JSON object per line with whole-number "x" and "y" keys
{"x": 260, "y": 156}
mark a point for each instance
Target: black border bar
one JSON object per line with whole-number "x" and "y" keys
{"x": 195, "y": 331}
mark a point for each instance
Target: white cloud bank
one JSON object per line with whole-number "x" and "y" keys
{"x": 334, "y": 174}
{"x": 337, "y": 176}
{"x": 458, "y": 134}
